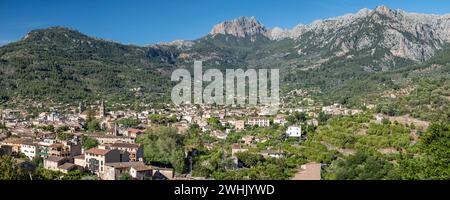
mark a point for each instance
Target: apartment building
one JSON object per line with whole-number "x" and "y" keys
{"x": 97, "y": 158}
{"x": 30, "y": 149}
{"x": 259, "y": 121}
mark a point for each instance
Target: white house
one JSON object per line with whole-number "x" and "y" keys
{"x": 259, "y": 121}
{"x": 294, "y": 131}
{"x": 30, "y": 149}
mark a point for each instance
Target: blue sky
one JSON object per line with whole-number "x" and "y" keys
{"x": 147, "y": 22}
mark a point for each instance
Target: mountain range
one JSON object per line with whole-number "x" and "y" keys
{"x": 345, "y": 58}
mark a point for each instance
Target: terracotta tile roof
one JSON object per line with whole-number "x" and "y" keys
{"x": 96, "y": 151}
{"x": 56, "y": 145}
{"x": 133, "y": 130}
{"x": 125, "y": 145}
{"x": 14, "y": 141}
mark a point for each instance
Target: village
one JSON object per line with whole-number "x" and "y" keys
{"x": 57, "y": 137}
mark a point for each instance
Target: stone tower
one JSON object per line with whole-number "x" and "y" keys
{"x": 102, "y": 111}
{"x": 116, "y": 130}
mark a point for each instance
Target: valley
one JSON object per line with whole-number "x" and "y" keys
{"x": 364, "y": 96}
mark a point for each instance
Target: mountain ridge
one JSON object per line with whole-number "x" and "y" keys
{"x": 331, "y": 54}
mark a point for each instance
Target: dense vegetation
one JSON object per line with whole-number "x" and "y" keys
{"x": 65, "y": 65}
{"x": 164, "y": 147}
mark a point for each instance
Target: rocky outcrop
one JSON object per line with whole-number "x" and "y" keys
{"x": 240, "y": 27}
{"x": 405, "y": 35}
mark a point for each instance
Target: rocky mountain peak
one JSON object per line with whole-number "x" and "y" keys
{"x": 383, "y": 10}
{"x": 240, "y": 27}
{"x": 53, "y": 34}
{"x": 399, "y": 33}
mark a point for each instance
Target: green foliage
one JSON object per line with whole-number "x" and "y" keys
{"x": 296, "y": 117}
{"x": 9, "y": 170}
{"x": 206, "y": 163}
{"x": 129, "y": 122}
{"x": 387, "y": 129}
{"x": 164, "y": 146}
{"x": 272, "y": 169}
{"x": 394, "y": 109}
{"x": 45, "y": 174}
{"x": 214, "y": 122}
{"x": 364, "y": 166}
{"x": 93, "y": 126}
{"x": 249, "y": 159}
{"x": 323, "y": 117}
{"x": 49, "y": 128}
{"x": 433, "y": 159}
{"x": 88, "y": 142}
{"x": 126, "y": 177}
{"x": 65, "y": 65}
{"x": 38, "y": 161}
{"x": 74, "y": 175}
{"x": 162, "y": 119}
{"x": 64, "y": 136}
{"x": 62, "y": 129}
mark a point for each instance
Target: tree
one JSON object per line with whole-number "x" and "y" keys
{"x": 126, "y": 177}
{"x": 93, "y": 126}
{"x": 434, "y": 159}
{"x": 164, "y": 146}
{"x": 155, "y": 118}
{"x": 62, "y": 129}
{"x": 322, "y": 118}
{"x": 64, "y": 136}
{"x": 215, "y": 123}
{"x": 364, "y": 165}
{"x": 129, "y": 122}
{"x": 45, "y": 174}
{"x": 90, "y": 115}
{"x": 249, "y": 159}
{"x": 49, "y": 128}
{"x": 161, "y": 119}
{"x": 74, "y": 175}
{"x": 88, "y": 142}
{"x": 296, "y": 117}
{"x": 38, "y": 161}
{"x": 9, "y": 170}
